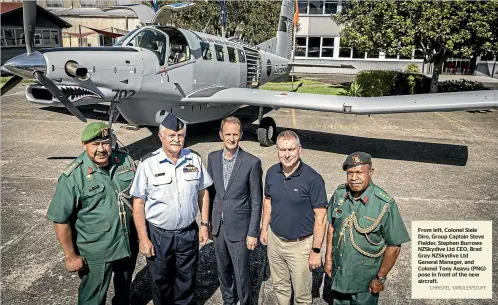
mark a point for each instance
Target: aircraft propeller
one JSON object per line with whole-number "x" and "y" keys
{"x": 23, "y": 63}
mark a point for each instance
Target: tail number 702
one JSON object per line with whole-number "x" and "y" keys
{"x": 122, "y": 94}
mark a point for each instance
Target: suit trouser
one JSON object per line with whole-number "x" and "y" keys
{"x": 361, "y": 298}
{"x": 232, "y": 261}
{"x": 95, "y": 281}
{"x": 289, "y": 269}
{"x": 174, "y": 267}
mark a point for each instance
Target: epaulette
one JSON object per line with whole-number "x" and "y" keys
{"x": 119, "y": 150}
{"x": 194, "y": 152}
{"x": 147, "y": 156}
{"x": 71, "y": 167}
{"x": 383, "y": 196}
{"x": 341, "y": 186}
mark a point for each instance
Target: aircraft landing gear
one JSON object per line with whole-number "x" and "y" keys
{"x": 267, "y": 130}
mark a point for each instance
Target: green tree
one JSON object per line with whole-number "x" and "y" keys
{"x": 440, "y": 29}
{"x": 253, "y": 21}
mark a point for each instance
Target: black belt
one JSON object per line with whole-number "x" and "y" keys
{"x": 187, "y": 228}
{"x": 294, "y": 239}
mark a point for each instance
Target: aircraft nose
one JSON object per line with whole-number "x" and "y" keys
{"x": 25, "y": 65}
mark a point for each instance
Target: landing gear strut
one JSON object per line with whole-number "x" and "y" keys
{"x": 267, "y": 130}
{"x": 113, "y": 117}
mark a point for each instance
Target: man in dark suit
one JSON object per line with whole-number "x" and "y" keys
{"x": 236, "y": 212}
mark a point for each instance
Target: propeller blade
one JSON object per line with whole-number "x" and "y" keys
{"x": 29, "y": 22}
{"x": 45, "y": 81}
{"x": 11, "y": 83}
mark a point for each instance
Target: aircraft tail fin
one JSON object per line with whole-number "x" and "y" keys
{"x": 285, "y": 29}
{"x": 282, "y": 44}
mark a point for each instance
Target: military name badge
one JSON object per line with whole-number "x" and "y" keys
{"x": 190, "y": 169}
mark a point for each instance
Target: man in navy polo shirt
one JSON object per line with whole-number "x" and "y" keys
{"x": 295, "y": 209}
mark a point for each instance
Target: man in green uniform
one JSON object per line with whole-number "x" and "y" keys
{"x": 364, "y": 236}
{"x": 92, "y": 218}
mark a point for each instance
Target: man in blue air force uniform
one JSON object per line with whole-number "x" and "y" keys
{"x": 170, "y": 187}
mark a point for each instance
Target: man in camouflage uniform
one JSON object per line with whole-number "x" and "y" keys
{"x": 92, "y": 218}
{"x": 364, "y": 236}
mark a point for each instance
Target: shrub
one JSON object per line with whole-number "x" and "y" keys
{"x": 460, "y": 85}
{"x": 376, "y": 82}
{"x": 354, "y": 89}
{"x": 413, "y": 68}
{"x": 388, "y": 82}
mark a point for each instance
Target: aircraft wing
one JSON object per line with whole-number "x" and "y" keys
{"x": 471, "y": 100}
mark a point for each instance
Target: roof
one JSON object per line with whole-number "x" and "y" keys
{"x": 6, "y": 7}
{"x": 9, "y": 7}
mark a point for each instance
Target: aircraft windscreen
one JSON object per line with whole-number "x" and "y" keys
{"x": 122, "y": 39}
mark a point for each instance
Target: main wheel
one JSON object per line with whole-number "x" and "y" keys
{"x": 267, "y": 132}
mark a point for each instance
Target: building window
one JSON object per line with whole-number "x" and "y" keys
{"x": 488, "y": 56}
{"x": 20, "y": 37}
{"x": 55, "y": 3}
{"x": 330, "y": 7}
{"x": 327, "y": 47}
{"x": 316, "y": 7}
{"x": 46, "y": 37}
{"x": 313, "y": 47}
{"x": 10, "y": 37}
{"x": 358, "y": 54}
{"x": 300, "y": 46}
{"x": 303, "y": 7}
{"x": 418, "y": 54}
{"x": 107, "y": 41}
{"x": 88, "y": 3}
{"x": 373, "y": 54}
{"x": 38, "y": 37}
{"x": 54, "y": 36}
{"x": 344, "y": 52}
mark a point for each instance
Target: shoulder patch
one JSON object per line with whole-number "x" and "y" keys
{"x": 71, "y": 167}
{"x": 383, "y": 196}
{"x": 341, "y": 186}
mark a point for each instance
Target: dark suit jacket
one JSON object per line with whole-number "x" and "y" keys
{"x": 242, "y": 201}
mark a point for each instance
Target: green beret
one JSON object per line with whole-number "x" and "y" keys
{"x": 357, "y": 158}
{"x": 96, "y": 131}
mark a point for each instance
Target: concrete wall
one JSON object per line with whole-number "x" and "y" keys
{"x": 485, "y": 68}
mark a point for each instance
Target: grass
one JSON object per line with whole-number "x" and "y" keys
{"x": 4, "y": 79}
{"x": 308, "y": 86}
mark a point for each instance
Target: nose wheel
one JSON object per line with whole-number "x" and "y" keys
{"x": 267, "y": 132}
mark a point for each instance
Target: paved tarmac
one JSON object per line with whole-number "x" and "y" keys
{"x": 438, "y": 166}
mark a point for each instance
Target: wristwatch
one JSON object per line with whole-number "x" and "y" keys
{"x": 380, "y": 279}
{"x": 206, "y": 224}
{"x": 316, "y": 250}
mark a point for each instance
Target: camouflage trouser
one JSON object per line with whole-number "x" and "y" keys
{"x": 361, "y": 298}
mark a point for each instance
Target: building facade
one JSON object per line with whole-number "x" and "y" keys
{"x": 48, "y": 31}
{"x": 318, "y": 41}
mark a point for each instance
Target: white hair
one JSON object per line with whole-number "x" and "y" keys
{"x": 288, "y": 135}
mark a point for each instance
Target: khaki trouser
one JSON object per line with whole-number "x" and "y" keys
{"x": 289, "y": 265}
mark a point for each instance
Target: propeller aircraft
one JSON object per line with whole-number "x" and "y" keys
{"x": 159, "y": 69}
